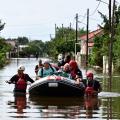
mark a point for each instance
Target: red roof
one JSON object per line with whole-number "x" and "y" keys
{"x": 91, "y": 34}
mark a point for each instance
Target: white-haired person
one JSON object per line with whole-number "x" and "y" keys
{"x": 47, "y": 70}
{"x": 60, "y": 60}
{"x": 65, "y": 71}
{"x": 20, "y": 80}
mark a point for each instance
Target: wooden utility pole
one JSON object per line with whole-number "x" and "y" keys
{"x": 70, "y": 25}
{"x": 62, "y": 31}
{"x": 111, "y": 37}
{"x": 109, "y": 59}
{"x": 76, "y": 28}
{"x": 87, "y": 38}
{"x": 55, "y": 30}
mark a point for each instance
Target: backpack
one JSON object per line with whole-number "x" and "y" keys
{"x": 51, "y": 69}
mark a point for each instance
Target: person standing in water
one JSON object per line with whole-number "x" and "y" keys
{"x": 37, "y": 67}
{"x": 20, "y": 80}
{"x": 93, "y": 86}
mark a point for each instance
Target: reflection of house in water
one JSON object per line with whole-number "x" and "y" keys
{"x": 81, "y": 56}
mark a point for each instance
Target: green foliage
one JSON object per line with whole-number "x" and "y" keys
{"x": 101, "y": 43}
{"x": 105, "y": 23}
{"x": 4, "y": 47}
{"x": 116, "y": 49}
{"x": 2, "y": 25}
{"x": 65, "y": 46}
{"x": 34, "y": 47}
{"x": 64, "y": 42}
{"x": 2, "y": 59}
{"x": 22, "y": 40}
{"x": 97, "y": 52}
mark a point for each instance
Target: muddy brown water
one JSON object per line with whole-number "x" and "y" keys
{"x": 104, "y": 107}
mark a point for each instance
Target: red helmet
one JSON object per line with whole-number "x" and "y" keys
{"x": 73, "y": 64}
{"x": 89, "y": 74}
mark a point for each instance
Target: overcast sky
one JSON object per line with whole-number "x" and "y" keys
{"x": 36, "y": 19}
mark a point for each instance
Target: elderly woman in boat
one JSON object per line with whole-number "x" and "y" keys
{"x": 46, "y": 70}
{"x": 64, "y": 71}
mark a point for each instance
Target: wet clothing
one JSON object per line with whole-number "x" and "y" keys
{"x": 93, "y": 87}
{"x": 64, "y": 74}
{"x": 61, "y": 63}
{"x": 37, "y": 67}
{"x": 20, "y": 82}
{"x": 46, "y": 72}
{"x": 77, "y": 73}
{"x": 95, "y": 84}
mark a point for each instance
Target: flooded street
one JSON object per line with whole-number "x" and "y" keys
{"x": 104, "y": 107}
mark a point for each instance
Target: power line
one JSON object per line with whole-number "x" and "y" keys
{"x": 95, "y": 9}
{"x": 84, "y": 16}
{"x": 81, "y": 22}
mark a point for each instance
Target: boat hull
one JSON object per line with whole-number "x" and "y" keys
{"x": 56, "y": 87}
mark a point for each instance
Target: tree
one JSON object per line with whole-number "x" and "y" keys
{"x": 22, "y": 40}
{"x": 63, "y": 42}
{"x": 101, "y": 43}
{"x": 4, "y": 47}
{"x": 35, "y": 47}
{"x": 1, "y": 25}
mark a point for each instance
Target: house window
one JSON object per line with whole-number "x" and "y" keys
{"x": 90, "y": 50}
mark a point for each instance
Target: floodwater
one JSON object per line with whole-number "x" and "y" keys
{"x": 104, "y": 107}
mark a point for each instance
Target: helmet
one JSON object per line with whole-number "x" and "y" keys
{"x": 21, "y": 67}
{"x": 46, "y": 62}
{"x": 73, "y": 64}
{"x": 89, "y": 74}
{"x": 60, "y": 58}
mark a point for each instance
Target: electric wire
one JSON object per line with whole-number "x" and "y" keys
{"x": 95, "y": 9}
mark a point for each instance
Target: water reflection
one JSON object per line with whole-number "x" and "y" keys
{"x": 19, "y": 104}
{"x": 105, "y": 107}
{"x": 53, "y": 107}
{"x": 66, "y": 107}
{"x": 92, "y": 104}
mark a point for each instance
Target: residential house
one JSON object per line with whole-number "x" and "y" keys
{"x": 13, "y": 43}
{"x": 83, "y": 42}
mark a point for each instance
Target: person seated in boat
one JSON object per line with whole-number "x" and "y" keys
{"x": 65, "y": 71}
{"x": 60, "y": 60}
{"x": 20, "y": 80}
{"x": 67, "y": 59}
{"x": 75, "y": 71}
{"x": 93, "y": 86}
{"x": 47, "y": 70}
{"x": 37, "y": 67}
{"x": 55, "y": 66}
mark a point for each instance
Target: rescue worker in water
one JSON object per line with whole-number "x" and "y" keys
{"x": 20, "y": 80}
{"x": 93, "y": 87}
